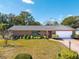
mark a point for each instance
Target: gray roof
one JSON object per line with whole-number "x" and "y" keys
{"x": 57, "y": 27}
{"x": 62, "y": 27}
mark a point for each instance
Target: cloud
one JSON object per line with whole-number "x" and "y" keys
{"x": 68, "y": 15}
{"x": 28, "y": 1}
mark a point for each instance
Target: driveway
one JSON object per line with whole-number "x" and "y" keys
{"x": 74, "y": 44}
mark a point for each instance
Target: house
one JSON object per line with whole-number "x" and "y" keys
{"x": 60, "y": 30}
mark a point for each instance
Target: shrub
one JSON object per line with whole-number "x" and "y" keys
{"x": 44, "y": 37}
{"x": 55, "y": 36}
{"x": 26, "y": 36}
{"x": 67, "y": 55}
{"x": 23, "y": 56}
{"x": 41, "y": 37}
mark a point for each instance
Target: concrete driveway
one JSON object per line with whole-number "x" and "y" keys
{"x": 74, "y": 44}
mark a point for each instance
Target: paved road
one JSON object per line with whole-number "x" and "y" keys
{"x": 74, "y": 44}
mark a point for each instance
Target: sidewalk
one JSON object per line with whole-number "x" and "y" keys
{"x": 74, "y": 44}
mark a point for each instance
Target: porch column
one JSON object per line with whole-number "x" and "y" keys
{"x": 47, "y": 34}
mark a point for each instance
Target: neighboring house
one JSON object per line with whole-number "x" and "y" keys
{"x": 60, "y": 30}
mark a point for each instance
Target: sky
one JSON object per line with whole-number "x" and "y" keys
{"x": 42, "y": 10}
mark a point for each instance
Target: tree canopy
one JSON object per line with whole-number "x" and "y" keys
{"x": 72, "y": 21}
{"x": 51, "y": 23}
{"x": 24, "y": 18}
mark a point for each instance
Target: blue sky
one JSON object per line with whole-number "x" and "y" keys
{"x": 42, "y": 10}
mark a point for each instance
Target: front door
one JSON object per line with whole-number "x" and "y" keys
{"x": 49, "y": 34}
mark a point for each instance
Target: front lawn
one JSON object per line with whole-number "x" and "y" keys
{"x": 39, "y": 49}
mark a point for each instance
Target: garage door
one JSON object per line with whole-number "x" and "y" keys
{"x": 64, "y": 34}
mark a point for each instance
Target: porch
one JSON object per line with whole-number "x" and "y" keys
{"x": 32, "y": 34}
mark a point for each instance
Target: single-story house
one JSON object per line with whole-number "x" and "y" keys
{"x": 60, "y": 30}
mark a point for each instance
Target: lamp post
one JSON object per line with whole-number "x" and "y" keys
{"x": 69, "y": 44}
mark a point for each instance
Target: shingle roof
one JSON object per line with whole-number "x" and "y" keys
{"x": 58, "y": 27}
{"x": 62, "y": 27}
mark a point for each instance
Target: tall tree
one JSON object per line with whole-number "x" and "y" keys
{"x": 35, "y": 23}
{"x": 27, "y": 17}
{"x": 51, "y": 23}
{"x": 72, "y": 21}
{"x": 24, "y": 18}
{"x": 69, "y": 20}
{"x": 11, "y": 19}
{"x": 76, "y": 23}
{"x": 3, "y": 18}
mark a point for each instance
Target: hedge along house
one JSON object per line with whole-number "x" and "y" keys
{"x": 60, "y": 30}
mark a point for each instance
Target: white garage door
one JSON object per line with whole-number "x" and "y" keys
{"x": 64, "y": 34}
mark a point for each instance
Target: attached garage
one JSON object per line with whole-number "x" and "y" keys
{"x": 64, "y": 34}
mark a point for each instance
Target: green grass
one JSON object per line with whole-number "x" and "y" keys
{"x": 39, "y": 49}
